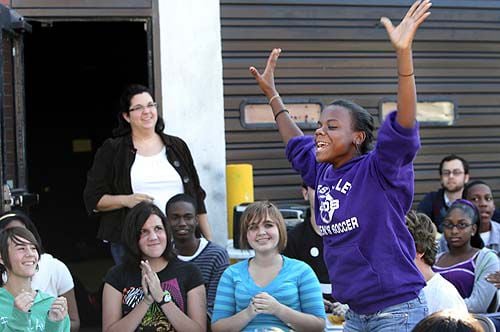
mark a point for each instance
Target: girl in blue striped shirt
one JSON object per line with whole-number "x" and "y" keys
{"x": 269, "y": 290}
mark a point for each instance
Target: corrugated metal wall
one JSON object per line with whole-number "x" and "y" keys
{"x": 333, "y": 49}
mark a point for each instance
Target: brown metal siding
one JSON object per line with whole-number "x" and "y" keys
{"x": 333, "y": 49}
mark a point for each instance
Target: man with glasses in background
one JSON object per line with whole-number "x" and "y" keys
{"x": 454, "y": 174}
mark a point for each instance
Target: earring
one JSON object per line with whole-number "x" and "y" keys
{"x": 5, "y": 277}
{"x": 356, "y": 146}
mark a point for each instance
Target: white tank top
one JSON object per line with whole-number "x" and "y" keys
{"x": 155, "y": 176}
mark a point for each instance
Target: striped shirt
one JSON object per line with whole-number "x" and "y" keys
{"x": 295, "y": 286}
{"x": 212, "y": 260}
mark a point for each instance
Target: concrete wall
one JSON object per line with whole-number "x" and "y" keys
{"x": 193, "y": 103}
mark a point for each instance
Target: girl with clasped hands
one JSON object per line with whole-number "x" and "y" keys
{"x": 268, "y": 291}
{"x": 21, "y": 307}
{"x": 152, "y": 290}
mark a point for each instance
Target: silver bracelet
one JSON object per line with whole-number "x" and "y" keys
{"x": 273, "y": 97}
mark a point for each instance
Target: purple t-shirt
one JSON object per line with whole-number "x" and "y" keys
{"x": 360, "y": 209}
{"x": 461, "y": 275}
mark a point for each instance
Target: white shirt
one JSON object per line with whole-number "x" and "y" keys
{"x": 485, "y": 236}
{"x": 155, "y": 176}
{"x": 441, "y": 294}
{"x": 203, "y": 245}
{"x": 53, "y": 276}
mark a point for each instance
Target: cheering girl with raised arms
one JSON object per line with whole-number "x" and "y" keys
{"x": 362, "y": 195}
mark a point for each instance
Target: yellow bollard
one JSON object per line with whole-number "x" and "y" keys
{"x": 239, "y": 187}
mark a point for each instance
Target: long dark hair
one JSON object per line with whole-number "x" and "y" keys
{"x": 135, "y": 219}
{"x": 123, "y": 127}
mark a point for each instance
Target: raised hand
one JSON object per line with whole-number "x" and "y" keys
{"x": 266, "y": 79}
{"x": 59, "y": 309}
{"x": 402, "y": 36}
{"x": 25, "y": 300}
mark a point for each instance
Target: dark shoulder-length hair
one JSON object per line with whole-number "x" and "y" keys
{"x": 123, "y": 127}
{"x": 14, "y": 234}
{"x": 134, "y": 221}
{"x": 471, "y": 211}
{"x": 7, "y": 217}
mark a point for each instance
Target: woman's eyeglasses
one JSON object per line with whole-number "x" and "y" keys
{"x": 449, "y": 225}
{"x": 142, "y": 108}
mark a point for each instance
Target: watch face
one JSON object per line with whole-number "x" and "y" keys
{"x": 167, "y": 297}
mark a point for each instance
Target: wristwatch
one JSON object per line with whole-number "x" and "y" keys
{"x": 165, "y": 299}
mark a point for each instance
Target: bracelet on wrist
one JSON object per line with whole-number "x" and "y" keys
{"x": 282, "y": 111}
{"x": 403, "y": 75}
{"x": 273, "y": 98}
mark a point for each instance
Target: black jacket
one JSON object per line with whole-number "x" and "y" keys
{"x": 434, "y": 206}
{"x": 110, "y": 174}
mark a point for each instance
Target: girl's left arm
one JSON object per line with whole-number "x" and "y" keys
{"x": 297, "y": 320}
{"x": 72, "y": 310}
{"x": 401, "y": 38}
{"x": 196, "y": 317}
{"x": 300, "y": 321}
{"x": 310, "y": 298}
{"x": 483, "y": 291}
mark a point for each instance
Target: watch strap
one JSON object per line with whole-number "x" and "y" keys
{"x": 165, "y": 299}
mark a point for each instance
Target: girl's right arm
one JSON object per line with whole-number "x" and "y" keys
{"x": 112, "y": 319}
{"x": 235, "y": 322}
{"x": 286, "y": 126}
{"x": 225, "y": 317}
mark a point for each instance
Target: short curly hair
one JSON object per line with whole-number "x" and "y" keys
{"x": 424, "y": 233}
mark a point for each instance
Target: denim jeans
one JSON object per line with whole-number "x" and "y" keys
{"x": 117, "y": 251}
{"x": 399, "y": 317}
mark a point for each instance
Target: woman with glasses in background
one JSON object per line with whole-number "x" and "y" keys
{"x": 480, "y": 194}
{"x": 467, "y": 263}
{"x": 140, "y": 163}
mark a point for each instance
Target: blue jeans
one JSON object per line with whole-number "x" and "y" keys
{"x": 117, "y": 251}
{"x": 399, "y": 317}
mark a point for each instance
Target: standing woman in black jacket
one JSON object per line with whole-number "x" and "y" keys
{"x": 140, "y": 163}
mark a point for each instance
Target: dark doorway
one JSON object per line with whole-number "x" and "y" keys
{"x": 75, "y": 72}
